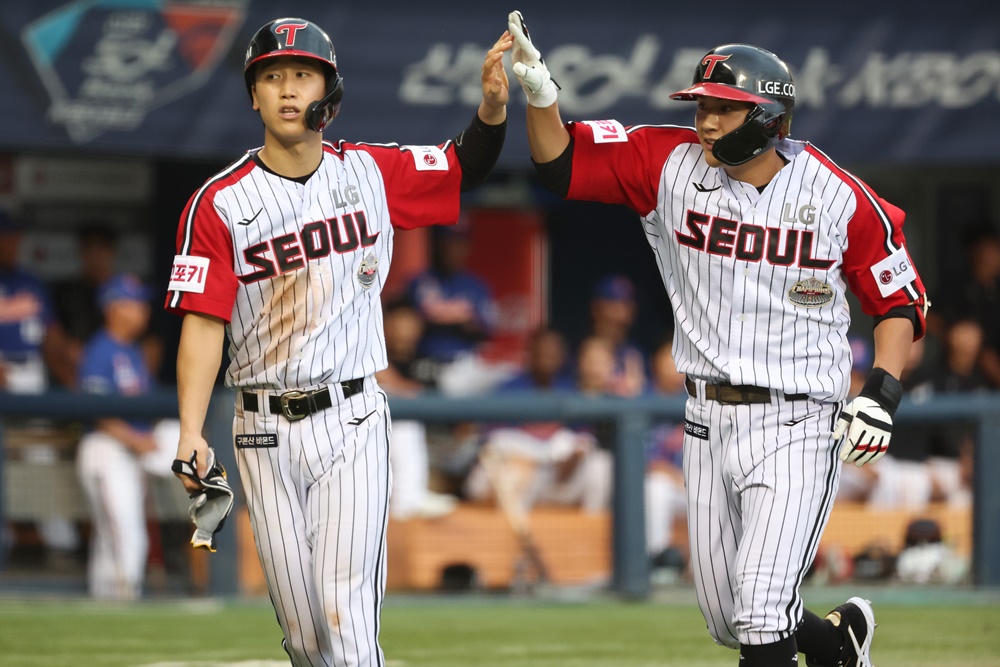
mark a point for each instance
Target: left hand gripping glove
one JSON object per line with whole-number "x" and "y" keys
{"x": 867, "y": 420}
{"x": 529, "y": 68}
{"x": 211, "y": 504}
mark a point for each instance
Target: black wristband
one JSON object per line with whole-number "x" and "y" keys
{"x": 477, "y": 149}
{"x": 555, "y": 175}
{"x": 884, "y": 389}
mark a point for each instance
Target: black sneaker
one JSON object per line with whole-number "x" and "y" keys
{"x": 858, "y": 630}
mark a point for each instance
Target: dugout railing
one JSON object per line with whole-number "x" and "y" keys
{"x": 631, "y": 419}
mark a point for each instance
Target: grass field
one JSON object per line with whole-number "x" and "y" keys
{"x": 482, "y": 632}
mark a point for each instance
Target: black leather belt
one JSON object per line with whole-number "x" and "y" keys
{"x": 737, "y": 394}
{"x": 296, "y": 405}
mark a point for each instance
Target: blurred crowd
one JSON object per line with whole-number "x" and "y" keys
{"x": 91, "y": 334}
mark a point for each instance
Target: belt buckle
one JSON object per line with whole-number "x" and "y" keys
{"x": 287, "y": 410}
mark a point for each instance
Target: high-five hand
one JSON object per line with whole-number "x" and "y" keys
{"x": 529, "y": 68}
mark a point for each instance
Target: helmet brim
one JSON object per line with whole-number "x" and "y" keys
{"x": 287, "y": 53}
{"x": 720, "y": 90}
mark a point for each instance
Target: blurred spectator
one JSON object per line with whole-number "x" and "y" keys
{"x": 411, "y": 496}
{"x": 456, "y": 305}
{"x": 32, "y": 344}
{"x": 666, "y": 502}
{"x": 546, "y": 365}
{"x": 901, "y": 480}
{"x": 979, "y": 298}
{"x": 111, "y": 458}
{"x": 75, "y": 300}
{"x": 547, "y": 462}
{"x": 612, "y": 311}
{"x": 926, "y": 464}
{"x": 595, "y": 366}
{"x": 951, "y": 455}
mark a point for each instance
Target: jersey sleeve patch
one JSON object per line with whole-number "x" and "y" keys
{"x": 607, "y": 131}
{"x": 188, "y": 274}
{"x": 428, "y": 158}
{"x": 894, "y": 272}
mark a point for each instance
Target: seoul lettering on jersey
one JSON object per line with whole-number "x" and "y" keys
{"x": 290, "y": 252}
{"x": 781, "y": 253}
{"x": 262, "y": 252}
{"x": 751, "y": 243}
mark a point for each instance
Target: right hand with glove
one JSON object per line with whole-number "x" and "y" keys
{"x": 865, "y": 425}
{"x": 211, "y": 500}
{"x": 529, "y": 68}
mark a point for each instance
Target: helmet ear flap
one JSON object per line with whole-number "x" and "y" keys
{"x": 765, "y": 126}
{"x": 322, "y": 111}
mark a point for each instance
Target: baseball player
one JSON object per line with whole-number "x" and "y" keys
{"x": 757, "y": 238}
{"x": 111, "y": 459}
{"x": 285, "y": 252}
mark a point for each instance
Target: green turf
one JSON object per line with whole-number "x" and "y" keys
{"x": 467, "y": 632}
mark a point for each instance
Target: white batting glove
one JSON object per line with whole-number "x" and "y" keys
{"x": 529, "y": 68}
{"x": 867, "y": 420}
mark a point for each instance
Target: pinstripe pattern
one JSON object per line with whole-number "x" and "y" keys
{"x": 759, "y": 495}
{"x": 292, "y": 266}
{"x": 736, "y": 318}
{"x": 310, "y": 321}
{"x": 319, "y": 514}
{"x": 736, "y": 262}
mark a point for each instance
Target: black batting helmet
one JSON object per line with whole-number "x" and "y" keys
{"x": 298, "y": 37}
{"x": 748, "y": 74}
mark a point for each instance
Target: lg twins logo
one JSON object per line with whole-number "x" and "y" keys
{"x": 290, "y": 29}
{"x": 710, "y": 61}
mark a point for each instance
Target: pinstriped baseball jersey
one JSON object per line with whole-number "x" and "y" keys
{"x": 757, "y": 280}
{"x": 295, "y": 267}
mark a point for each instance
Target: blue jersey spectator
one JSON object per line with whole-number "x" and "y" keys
{"x": 111, "y": 458}
{"x": 457, "y": 306}
{"x": 112, "y": 366}
{"x": 612, "y": 311}
{"x": 542, "y": 462}
{"x": 30, "y": 341}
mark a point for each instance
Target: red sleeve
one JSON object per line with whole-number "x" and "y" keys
{"x": 618, "y": 165}
{"x": 876, "y": 263}
{"x": 422, "y": 183}
{"x": 202, "y": 279}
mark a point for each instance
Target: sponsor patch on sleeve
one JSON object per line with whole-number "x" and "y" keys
{"x": 188, "y": 274}
{"x": 893, "y": 273}
{"x": 607, "y": 131}
{"x": 428, "y": 158}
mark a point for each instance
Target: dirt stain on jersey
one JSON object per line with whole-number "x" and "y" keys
{"x": 286, "y": 312}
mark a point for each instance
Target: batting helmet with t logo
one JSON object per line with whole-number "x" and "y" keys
{"x": 298, "y": 37}
{"x": 747, "y": 74}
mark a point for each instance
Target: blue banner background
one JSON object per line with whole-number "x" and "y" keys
{"x": 915, "y": 82}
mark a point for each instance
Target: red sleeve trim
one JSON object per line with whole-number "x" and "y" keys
{"x": 196, "y": 237}
{"x": 874, "y": 234}
{"x": 417, "y": 197}
{"x": 625, "y": 170}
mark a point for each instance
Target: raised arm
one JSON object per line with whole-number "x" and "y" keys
{"x": 547, "y": 136}
{"x": 478, "y": 146}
